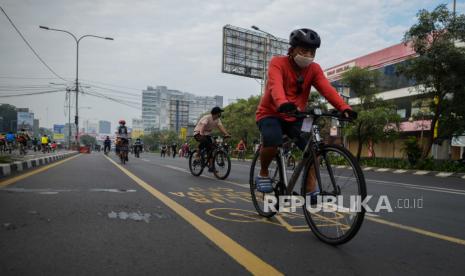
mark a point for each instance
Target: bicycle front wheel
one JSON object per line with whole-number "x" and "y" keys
{"x": 341, "y": 179}
{"x": 221, "y": 164}
{"x": 196, "y": 163}
{"x": 258, "y": 198}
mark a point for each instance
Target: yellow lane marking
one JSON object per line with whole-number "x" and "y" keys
{"x": 392, "y": 224}
{"x": 36, "y": 171}
{"x": 418, "y": 230}
{"x": 247, "y": 259}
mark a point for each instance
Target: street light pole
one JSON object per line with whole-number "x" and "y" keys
{"x": 265, "y": 55}
{"x": 69, "y": 117}
{"x": 76, "y": 118}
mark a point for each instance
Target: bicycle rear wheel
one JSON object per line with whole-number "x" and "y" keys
{"x": 221, "y": 164}
{"x": 338, "y": 222}
{"x": 258, "y": 198}
{"x": 196, "y": 163}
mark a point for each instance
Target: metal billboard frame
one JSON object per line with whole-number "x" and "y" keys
{"x": 244, "y": 51}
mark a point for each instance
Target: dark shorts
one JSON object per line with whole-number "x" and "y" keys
{"x": 273, "y": 129}
{"x": 205, "y": 141}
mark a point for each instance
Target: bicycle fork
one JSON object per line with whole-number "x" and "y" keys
{"x": 283, "y": 166}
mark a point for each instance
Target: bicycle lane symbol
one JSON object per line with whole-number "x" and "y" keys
{"x": 291, "y": 222}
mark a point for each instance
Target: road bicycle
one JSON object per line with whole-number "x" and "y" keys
{"x": 336, "y": 173}
{"x": 221, "y": 162}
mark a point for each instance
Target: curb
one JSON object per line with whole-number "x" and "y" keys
{"x": 19, "y": 166}
{"x": 416, "y": 172}
{"x": 403, "y": 171}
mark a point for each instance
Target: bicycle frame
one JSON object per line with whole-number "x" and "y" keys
{"x": 309, "y": 158}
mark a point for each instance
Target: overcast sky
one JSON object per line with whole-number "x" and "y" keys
{"x": 174, "y": 43}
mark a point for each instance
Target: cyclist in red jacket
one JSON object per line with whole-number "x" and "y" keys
{"x": 287, "y": 91}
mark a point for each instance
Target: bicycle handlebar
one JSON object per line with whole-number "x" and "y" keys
{"x": 317, "y": 113}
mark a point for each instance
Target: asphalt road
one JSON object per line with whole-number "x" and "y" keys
{"x": 89, "y": 216}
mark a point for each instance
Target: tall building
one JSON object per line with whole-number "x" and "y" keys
{"x": 104, "y": 127}
{"x": 90, "y": 127}
{"x": 164, "y": 108}
{"x": 25, "y": 119}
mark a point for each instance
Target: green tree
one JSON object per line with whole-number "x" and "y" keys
{"x": 439, "y": 69}
{"x": 9, "y": 116}
{"x": 239, "y": 120}
{"x": 156, "y": 138}
{"x": 87, "y": 140}
{"x": 377, "y": 120}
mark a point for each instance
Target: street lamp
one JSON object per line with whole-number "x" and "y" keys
{"x": 265, "y": 53}
{"x": 76, "y": 118}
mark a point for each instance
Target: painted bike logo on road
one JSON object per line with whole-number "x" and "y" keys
{"x": 214, "y": 195}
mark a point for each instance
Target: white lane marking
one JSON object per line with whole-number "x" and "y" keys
{"x": 146, "y": 160}
{"x": 204, "y": 176}
{"x": 399, "y": 171}
{"x": 383, "y": 170}
{"x": 367, "y": 168}
{"x": 175, "y": 168}
{"x": 421, "y": 172}
{"x": 444, "y": 174}
{"x": 412, "y": 186}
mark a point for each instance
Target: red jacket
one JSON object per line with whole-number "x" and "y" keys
{"x": 281, "y": 87}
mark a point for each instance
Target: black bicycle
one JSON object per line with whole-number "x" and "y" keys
{"x": 336, "y": 173}
{"x": 221, "y": 162}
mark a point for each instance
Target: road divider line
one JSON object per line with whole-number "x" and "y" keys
{"x": 410, "y": 186}
{"x": 204, "y": 176}
{"x": 39, "y": 170}
{"x": 244, "y": 257}
{"x": 417, "y": 230}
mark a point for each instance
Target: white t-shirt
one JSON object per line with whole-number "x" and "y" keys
{"x": 206, "y": 125}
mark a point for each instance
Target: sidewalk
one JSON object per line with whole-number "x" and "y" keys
{"x": 32, "y": 161}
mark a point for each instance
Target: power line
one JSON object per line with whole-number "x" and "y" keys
{"x": 128, "y": 99}
{"x": 27, "y": 78}
{"x": 107, "y": 84}
{"x": 114, "y": 100}
{"x": 30, "y": 47}
{"x": 30, "y": 94}
{"x": 114, "y": 90}
{"x": 134, "y": 105}
{"x": 121, "y": 97}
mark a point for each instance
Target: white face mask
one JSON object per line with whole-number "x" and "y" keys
{"x": 303, "y": 61}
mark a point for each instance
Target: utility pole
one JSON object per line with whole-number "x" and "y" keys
{"x": 68, "y": 90}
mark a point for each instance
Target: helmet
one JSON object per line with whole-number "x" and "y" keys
{"x": 108, "y": 137}
{"x": 216, "y": 110}
{"x": 305, "y": 38}
{"x": 122, "y": 122}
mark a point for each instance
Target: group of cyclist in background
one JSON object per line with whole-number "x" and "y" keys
{"x": 22, "y": 142}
